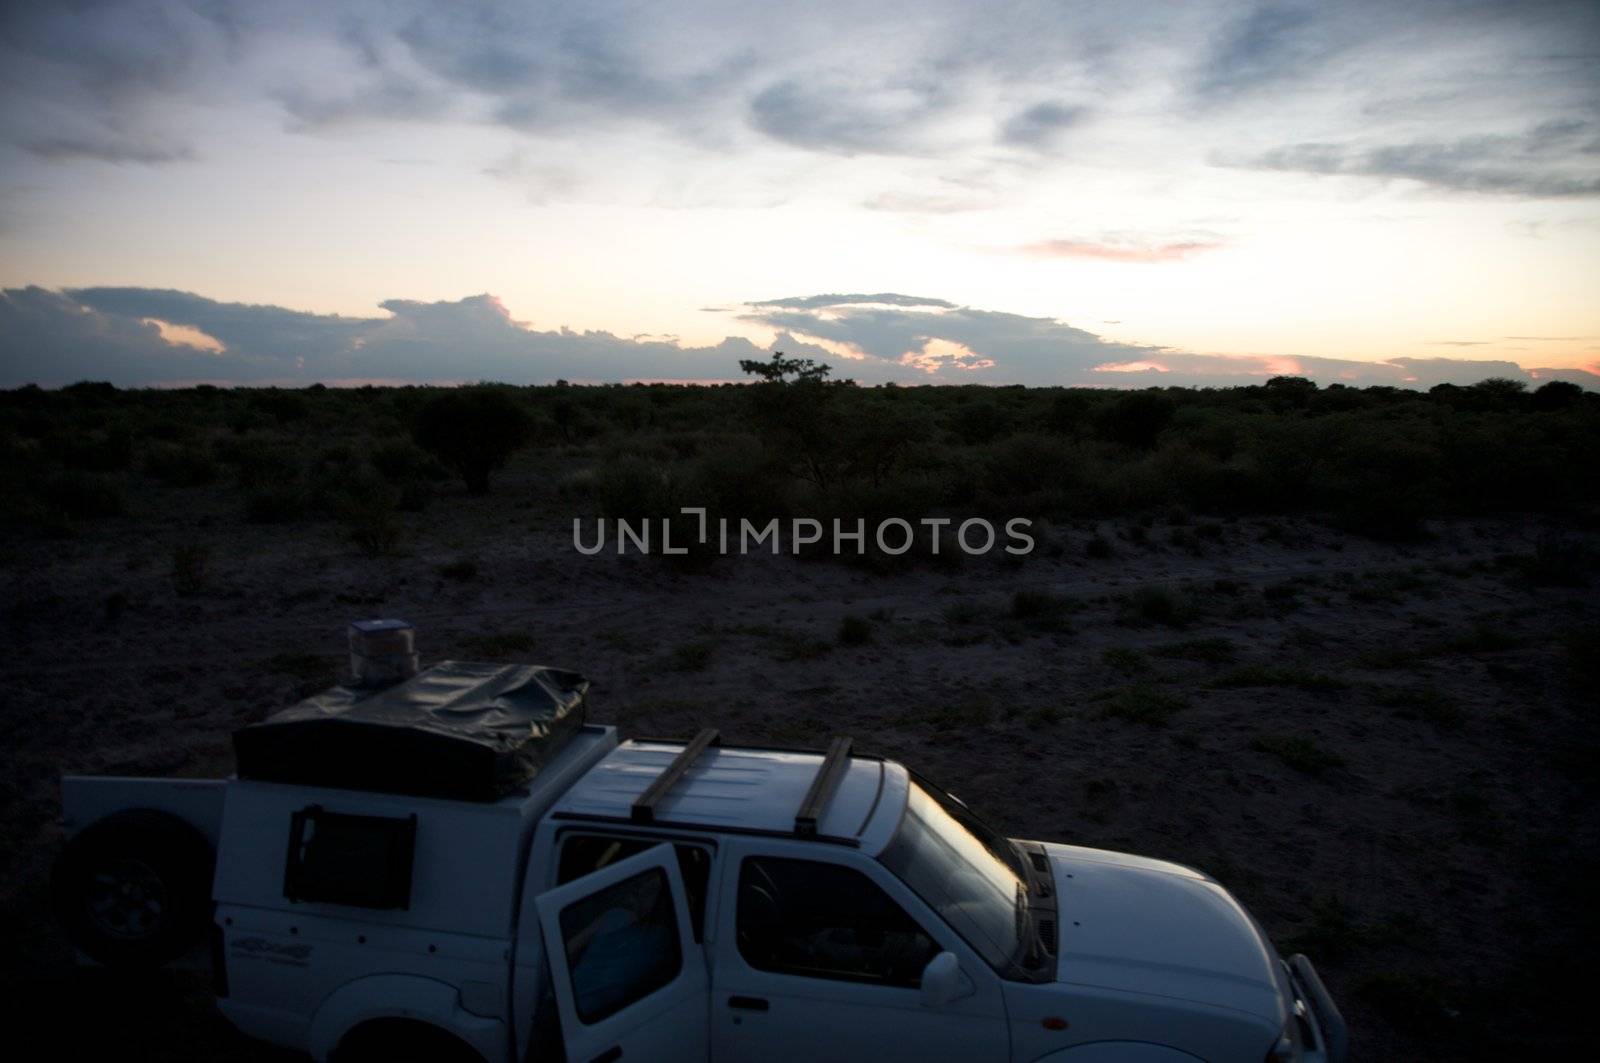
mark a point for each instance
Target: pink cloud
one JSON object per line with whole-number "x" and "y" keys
{"x": 1109, "y": 252}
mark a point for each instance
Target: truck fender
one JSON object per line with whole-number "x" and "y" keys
{"x": 401, "y": 996}
{"x": 1119, "y": 1052}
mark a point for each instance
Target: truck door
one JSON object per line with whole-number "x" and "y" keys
{"x": 630, "y": 982}
{"x": 822, "y": 956}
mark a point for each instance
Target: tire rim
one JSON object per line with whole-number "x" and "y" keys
{"x": 127, "y": 900}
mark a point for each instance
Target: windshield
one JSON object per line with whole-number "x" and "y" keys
{"x": 974, "y": 888}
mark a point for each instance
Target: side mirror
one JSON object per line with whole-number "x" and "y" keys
{"x": 943, "y": 981}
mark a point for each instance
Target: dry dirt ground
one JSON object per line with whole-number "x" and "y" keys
{"x": 1388, "y": 752}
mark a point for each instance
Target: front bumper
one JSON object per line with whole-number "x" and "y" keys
{"x": 1321, "y": 1014}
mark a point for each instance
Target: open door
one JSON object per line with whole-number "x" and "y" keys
{"x": 629, "y": 980}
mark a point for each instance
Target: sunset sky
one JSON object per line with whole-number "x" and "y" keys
{"x": 1044, "y": 193}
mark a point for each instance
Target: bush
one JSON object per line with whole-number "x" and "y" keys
{"x": 177, "y": 465}
{"x": 108, "y": 451}
{"x": 1144, "y": 704}
{"x": 368, "y": 508}
{"x": 1158, "y": 605}
{"x": 400, "y": 461}
{"x": 1298, "y": 752}
{"x": 81, "y": 496}
{"x": 463, "y": 570}
{"x": 473, "y": 431}
{"x": 191, "y": 569}
{"x": 855, "y": 630}
{"x": 274, "y": 504}
{"x": 1136, "y": 419}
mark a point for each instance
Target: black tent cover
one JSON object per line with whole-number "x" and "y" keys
{"x": 457, "y": 730}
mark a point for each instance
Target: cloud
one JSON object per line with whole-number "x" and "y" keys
{"x": 838, "y": 117}
{"x": 1550, "y": 161}
{"x": 88, "y": 80}
{"x": 116, "y": 334}
{"x": 1042, "y": 125}
{"x": 1121, "y": 250}
{"x": 142, "y": 336}
{"x": 1269, "y": 45}
{"x": 142, "y": 81}
{"x": 813, "y": 302}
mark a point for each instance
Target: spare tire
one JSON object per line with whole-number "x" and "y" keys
{"x": 133, "y": 890}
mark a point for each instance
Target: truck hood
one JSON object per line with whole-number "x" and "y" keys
{"x": 1135, "y": 925}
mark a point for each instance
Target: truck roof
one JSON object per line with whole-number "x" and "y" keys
{"x": 743, "y": 790}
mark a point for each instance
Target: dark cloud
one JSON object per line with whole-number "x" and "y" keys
{"x": 850, "y": 119}
{"x": 127, "y": 81}
{"x": 1547, "y": 162}
{"x": 116, "y": 334}
{"x": 1042, "y": 125}
{"x": 813, "y": 302}
{"x": 90, "y": 80}
{"x": 1268, "y": 45}
{"x": 53, "y": 338}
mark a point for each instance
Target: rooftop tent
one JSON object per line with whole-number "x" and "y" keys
{"x": 456, "y": 730}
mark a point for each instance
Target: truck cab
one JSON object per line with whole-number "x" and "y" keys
{"x": 668, "y": 900}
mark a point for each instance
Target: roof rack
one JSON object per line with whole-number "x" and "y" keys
{"x": 822, "y": 788}
{"x": 644, "y": 809}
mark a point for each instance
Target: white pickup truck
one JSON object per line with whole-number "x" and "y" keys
{"x": 653, "y": 900}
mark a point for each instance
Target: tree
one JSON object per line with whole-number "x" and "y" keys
{"x": 1557, "y": 395}
{"x": 1137, "y": 418}
{"x": 473, "y": 431}
{"x": 779, "y": 369}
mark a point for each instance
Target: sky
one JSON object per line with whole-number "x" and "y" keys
{"x": 1113, "y": 194}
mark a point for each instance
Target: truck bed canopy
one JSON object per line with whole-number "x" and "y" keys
{"x": 456, "y": 730}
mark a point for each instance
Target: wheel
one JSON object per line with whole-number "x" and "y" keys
{"x": 403, "y": 1041}
{"x": 134, "y": 889}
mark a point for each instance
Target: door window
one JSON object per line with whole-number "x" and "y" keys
{"x": 825, "y": 920}
{"x": 621, "y": 944}
{"x": 584, "y": 854}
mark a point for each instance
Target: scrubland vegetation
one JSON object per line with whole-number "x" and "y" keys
{"x": 1375, "y": 461}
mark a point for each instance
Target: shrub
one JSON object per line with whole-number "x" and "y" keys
{"x": 1144, "y": 704}
{"x": 1124, "y": 659}
{"x": 191, "y": 569}
{"x": 274, "y": 504}
{"x": 81, "y": 496}
{"x": 368, "y": 508}
{"x": 107, "y": 451}
{"x": 1158, "y": 605}
{"x": 463, "y": 570}
{"x": 473, "y": 431}
{"x": 1136, "y": 419}
{"x": 400, "y": 461}
{"x": 1261, "y": 675}
{"x": 980, "y": 421}
{"x": 1557, "y": 395}
{"x": 691, "y": 657}
{"x": 1422, "y": 703}
{"x": 1299, "y": 752}
{"x": 503, "y": 644}
{"x": 177, "y": 465}
{"x": 1209, "y": 651}
{"x": 1041, "y": 610}
{"x": 854, "y": 630}
{"x": 258, "y": 463}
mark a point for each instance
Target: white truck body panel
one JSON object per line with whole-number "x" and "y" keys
{"x": 468, "y": 869}
{"x": 86, "y": 799}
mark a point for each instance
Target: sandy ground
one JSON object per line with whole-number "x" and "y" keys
{"x": 1382, "y": 750}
